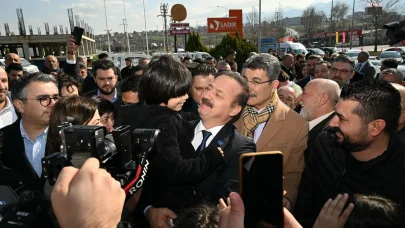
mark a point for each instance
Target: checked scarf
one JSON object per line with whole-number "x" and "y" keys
{"x": 252, "y": 118}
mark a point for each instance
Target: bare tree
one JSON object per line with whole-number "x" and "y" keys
{"x": 252, "y": 26}
{"x": 376, "y": 19}
{"x": 310, "y": 19}
{"x": 339, "y": 12}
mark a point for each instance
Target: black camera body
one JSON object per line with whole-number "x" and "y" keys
{"x": 122, "y": 153}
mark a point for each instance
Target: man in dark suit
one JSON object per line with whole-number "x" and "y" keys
{"x": 22, "y": 144}
{"x": 287, "y": 65}
{"x": 311, "y": 64}
{"x": 364, "y": 66}
{"x": 203, "y": 75}
{"x": 216, "y": 129}
{"x": 317, "y": 107}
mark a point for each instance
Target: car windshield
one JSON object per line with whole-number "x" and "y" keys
{"x": 352, "y": 54}
{"x": 390, "y": 55}
{"x": 318, "y": 51}
{"x": 25, "y": 63}
{"x": 298, "y": 51}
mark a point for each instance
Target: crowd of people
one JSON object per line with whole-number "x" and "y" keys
{"x": 339, "y": 126}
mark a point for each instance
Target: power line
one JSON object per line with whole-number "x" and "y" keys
{"x": 163, "y": 13}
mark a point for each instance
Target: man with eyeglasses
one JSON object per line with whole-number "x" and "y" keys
{"x": 311, "y": 63}
{"x": 342, "y": 70}
{"x": 23, "y": 143}
{"x": 271, "y": 124}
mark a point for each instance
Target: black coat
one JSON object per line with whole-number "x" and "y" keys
{"x": 225, "y": 179}
{"x": 332, "y": 170}
{"x": 303, "y": 82}
{"x": 88, "y": 83}
{"x": 175, "y": 168}
{"x": 314, "y": 132}
{"x": 17, "y": 172}
{"x": 191, "y": 107}
{"x": 289, "y": 71}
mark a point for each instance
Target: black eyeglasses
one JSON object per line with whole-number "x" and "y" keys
{"x": 257, "y": 82}
{"x": 45, "y": 101}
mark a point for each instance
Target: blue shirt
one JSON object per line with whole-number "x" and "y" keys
{"x": 113, "y": 99}
{"x": 35, "y": 150}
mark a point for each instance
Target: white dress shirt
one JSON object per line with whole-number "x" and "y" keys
{"x": 198, "y": 136}
{"x": 7, "y": 114}
{"x": 316, "y": 121}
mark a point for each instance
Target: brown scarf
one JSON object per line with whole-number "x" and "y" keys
{"x": 252, "y": 118}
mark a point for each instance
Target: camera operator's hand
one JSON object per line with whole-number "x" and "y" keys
{"x": 331, "y": 215}
{"x": 88, "y": 197}
{"x": 233, "y": 215}
{"x": 160, "y": 217}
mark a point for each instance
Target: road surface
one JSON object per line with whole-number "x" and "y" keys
{"x": 369, "y": 48}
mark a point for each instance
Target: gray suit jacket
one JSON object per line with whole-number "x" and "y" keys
{"x": 368, "y": 70}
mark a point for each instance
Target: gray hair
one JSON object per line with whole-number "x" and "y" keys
{"x": 265, "y": 62}
{"x": 344, "y": 59}
{"x": 399, "y": 76}
{"x": 19, "y": 89}
{"x": 223, "y": 63}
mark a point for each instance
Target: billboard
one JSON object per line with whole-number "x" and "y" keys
{"x": 223, "y": 24}
{"x": 268, "y": 42}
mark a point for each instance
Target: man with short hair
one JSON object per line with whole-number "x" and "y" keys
{"x": 271, "y": 124}
{"x": 322, "y": 69}
{"x": 82, "y": 71}
{"x": 105, "y": 75}
{"x": 128, "y": 70}
{"x": 203, "y": 76}
{"x": 401, "y": 123}
{"x": 312, "y": 60}
{"x": 211, "y": 61}
{"x": 7, "y": 111}
{"x": 144, "y": 61}
{"x": 342, "y": 70}
{"x": 187, "y": 60}
{"x": 288, "y": 96}
{"x": 14, "y": 72}
{"x": 104, "y": 56}
{"x": 129, "y": 90}
{"x": 51, "y": 65}
{"x": 287, "y": 65}
{"x": 223, "y": 66}
{"x": 360, "y": 152}
{"x": 389, "y": 63}
{"x": 138, "y": 69}
{"x": 230, "y": 56}
{"x": 284, "y": 80}
{"x": 364, "y": 66}
{"x": 317, "y": 107}
{"x": 12, "y": 58}
{"x": 23, "y": 142}
{"x": 392, "y": 75}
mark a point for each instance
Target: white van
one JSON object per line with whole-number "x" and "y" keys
{"x": 119, "y": 58}
{"x": 289, "y": 46}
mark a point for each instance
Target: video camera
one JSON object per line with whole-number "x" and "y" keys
{"x": 121, "y": 153}
{"x": 395, "y": 32}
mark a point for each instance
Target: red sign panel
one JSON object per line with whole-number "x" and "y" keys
{"x": 179, "y": 32}
{"x": 224, "y": 24}
{"x": 179, "y": 25}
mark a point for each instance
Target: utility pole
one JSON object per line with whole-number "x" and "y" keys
{"x": 126, "y": 27}
{"x": 163, "y": 13}
{"x": 108, "y": 31}
{"x": 260, "y": 26}
{"x": 146, "y": 31}
{"x": 351, "y": 30}
{"x": 331, "y": 22}
{"x": 277, "y": 31}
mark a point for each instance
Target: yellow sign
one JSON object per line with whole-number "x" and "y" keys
{"x": 337, "y": 37}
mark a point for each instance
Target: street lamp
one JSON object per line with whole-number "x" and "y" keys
{"x": 226, "y": 10}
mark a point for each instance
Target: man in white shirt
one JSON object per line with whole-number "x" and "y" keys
{"x": 318, "y": 102}
{"x": 7, "y": 111}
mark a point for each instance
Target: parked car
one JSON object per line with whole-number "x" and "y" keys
{"x": 353, "y": 53}
{"x": 391, "y": 54}
{"x": 377, "y": 65}
{"x": 316, "y": 51}
{"x": 329, "y": 49}
{"x": 401, "y": 50}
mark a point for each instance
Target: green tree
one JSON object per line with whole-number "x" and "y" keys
{"x": 194, "y": 43}
{"x": 242, "y": 47}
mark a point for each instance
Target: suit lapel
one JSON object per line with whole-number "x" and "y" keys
{"x": 273, "y": 125}
{"x": 222, "y": 138}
